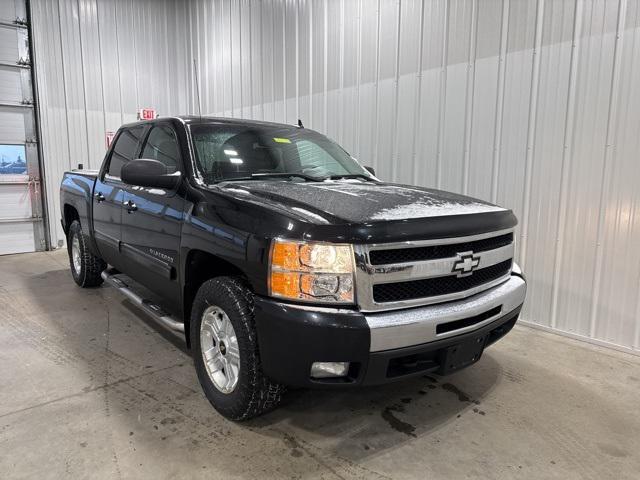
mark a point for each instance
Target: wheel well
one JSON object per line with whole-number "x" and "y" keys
{"x": 70, "y": 214}
{"x": 200, "y": 267}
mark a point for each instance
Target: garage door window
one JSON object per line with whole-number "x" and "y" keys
{"x": 13, "y": 160}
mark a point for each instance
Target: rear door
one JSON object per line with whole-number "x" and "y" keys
{"x": 152, "y": 220}
{"x": 108, "y": 195}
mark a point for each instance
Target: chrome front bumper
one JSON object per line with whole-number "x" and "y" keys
{"x": 415, "y": 326}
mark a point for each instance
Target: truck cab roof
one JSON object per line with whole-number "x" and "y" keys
{"x": 204, "y": 119}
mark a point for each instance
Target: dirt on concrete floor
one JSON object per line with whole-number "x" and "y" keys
{"x": 91, "y": 388}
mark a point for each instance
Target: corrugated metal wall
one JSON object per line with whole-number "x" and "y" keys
{"x": 97, "y": 63}
{"x": 532, "y": 104}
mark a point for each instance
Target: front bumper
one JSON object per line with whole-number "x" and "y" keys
{"x": 382, "y": 347}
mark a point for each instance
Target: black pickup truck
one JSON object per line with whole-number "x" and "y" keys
{"x": 285, "y": 262}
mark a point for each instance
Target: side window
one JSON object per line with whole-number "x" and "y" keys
{"x": 124, "y": 150}
{"x": 162, "y": 145}
{"x": 313, "y": 156}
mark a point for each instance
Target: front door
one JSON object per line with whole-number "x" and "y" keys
{"x": 152, "y": 221}
{"x": 108, "y": 196}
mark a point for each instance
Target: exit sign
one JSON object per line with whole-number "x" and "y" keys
{"x": 146, "y": 114}
{"x": 109, "y": 138}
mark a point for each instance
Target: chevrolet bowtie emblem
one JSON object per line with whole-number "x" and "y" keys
{"x": 465, "y": 264}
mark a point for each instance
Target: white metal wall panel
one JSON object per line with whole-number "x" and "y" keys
{"x": 98, "y": 62}
{"x": 10, "y": 84}
{"x": 488, "y": 88}
{"x": 547, "y": 148}
{"x": 369, "y": 56}
{"x": 13, "y": 124}
{"x": 12, "y": 9}
{"x": 585, "y": 168}
{"x": 17, "y": 237}
{"x": 15, "y": 202}
{"x": 56, "y": 139}
{"x": 618, "y": 306}
{"x": 407, "y": 76}
{"x": 8, "y": 43}
{"x": 531, "y": 104}
{"x": 427, "y": 119}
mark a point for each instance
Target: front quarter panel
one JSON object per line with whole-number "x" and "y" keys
{"x": 207, "y": 230}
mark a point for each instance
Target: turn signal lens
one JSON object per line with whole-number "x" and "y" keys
{"x": 285, "y": 284}
{"x": 284, "y": 255}
{"x": 309, "y": 271}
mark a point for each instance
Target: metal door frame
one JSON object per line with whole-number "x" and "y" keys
{"x": 44, "y": 205}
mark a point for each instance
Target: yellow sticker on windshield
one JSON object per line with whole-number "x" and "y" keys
{"x": 281, "y": 140}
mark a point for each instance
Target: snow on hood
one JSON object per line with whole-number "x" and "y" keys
{"x": 432, "y": 209}
{"x": 359, "y": 202}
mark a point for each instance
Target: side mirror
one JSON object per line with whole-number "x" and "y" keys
{"x": 370, "y": 170}
{"x": 149, "y": 173}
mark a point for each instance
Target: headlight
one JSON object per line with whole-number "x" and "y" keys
{"x": 312, "y": 272}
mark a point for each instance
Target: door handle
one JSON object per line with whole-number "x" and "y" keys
{"x": 99, "y": 197}
{"x": 130, "y": 206}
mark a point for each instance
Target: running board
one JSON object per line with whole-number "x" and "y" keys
{"x": 150, "y": 308}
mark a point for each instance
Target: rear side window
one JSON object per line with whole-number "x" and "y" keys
{"x": 162, "y": 145}
{"x": 124, "y": 149}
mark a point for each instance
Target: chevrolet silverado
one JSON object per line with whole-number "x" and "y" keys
{"x": 287, "y": 263}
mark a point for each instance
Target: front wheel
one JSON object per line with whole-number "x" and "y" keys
{"x": 225, "y": 351}
{"x": 85, "y": 266}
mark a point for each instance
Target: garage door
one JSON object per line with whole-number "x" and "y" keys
{"x": 21, "y": 220}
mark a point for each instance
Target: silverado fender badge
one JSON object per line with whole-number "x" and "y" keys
{"x": 465, "y": 263}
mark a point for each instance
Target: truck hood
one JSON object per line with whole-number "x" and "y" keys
{"x": 356, "y": 202}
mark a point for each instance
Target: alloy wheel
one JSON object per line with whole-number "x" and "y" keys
{"x": 220, "y": 351}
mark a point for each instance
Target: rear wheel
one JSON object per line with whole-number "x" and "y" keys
{"x": 225, "y": 351}
{"x": 85, "y": 266}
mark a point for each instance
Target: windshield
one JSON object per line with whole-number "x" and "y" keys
{"x": 227, "y": 152}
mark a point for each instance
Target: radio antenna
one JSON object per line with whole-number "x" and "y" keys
{"x": 195, "y": 75}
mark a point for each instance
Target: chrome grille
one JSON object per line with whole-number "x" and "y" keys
{"x": 427, "y": 272}
{"x": 431, "y": 252}
{"x": 437, "y": 286}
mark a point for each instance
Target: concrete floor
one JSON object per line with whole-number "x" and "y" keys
{"x": 89, "y": 387}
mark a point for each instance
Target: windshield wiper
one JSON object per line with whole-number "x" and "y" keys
{"x": 287, "y": 175}
{"x": 350, "y": 175}
{"x": 304, "y": 176}
{"x": 255, "y": 176}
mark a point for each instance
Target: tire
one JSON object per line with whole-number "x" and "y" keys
{"x": 85, "y": 266}
{"x": 227, "y": 303}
